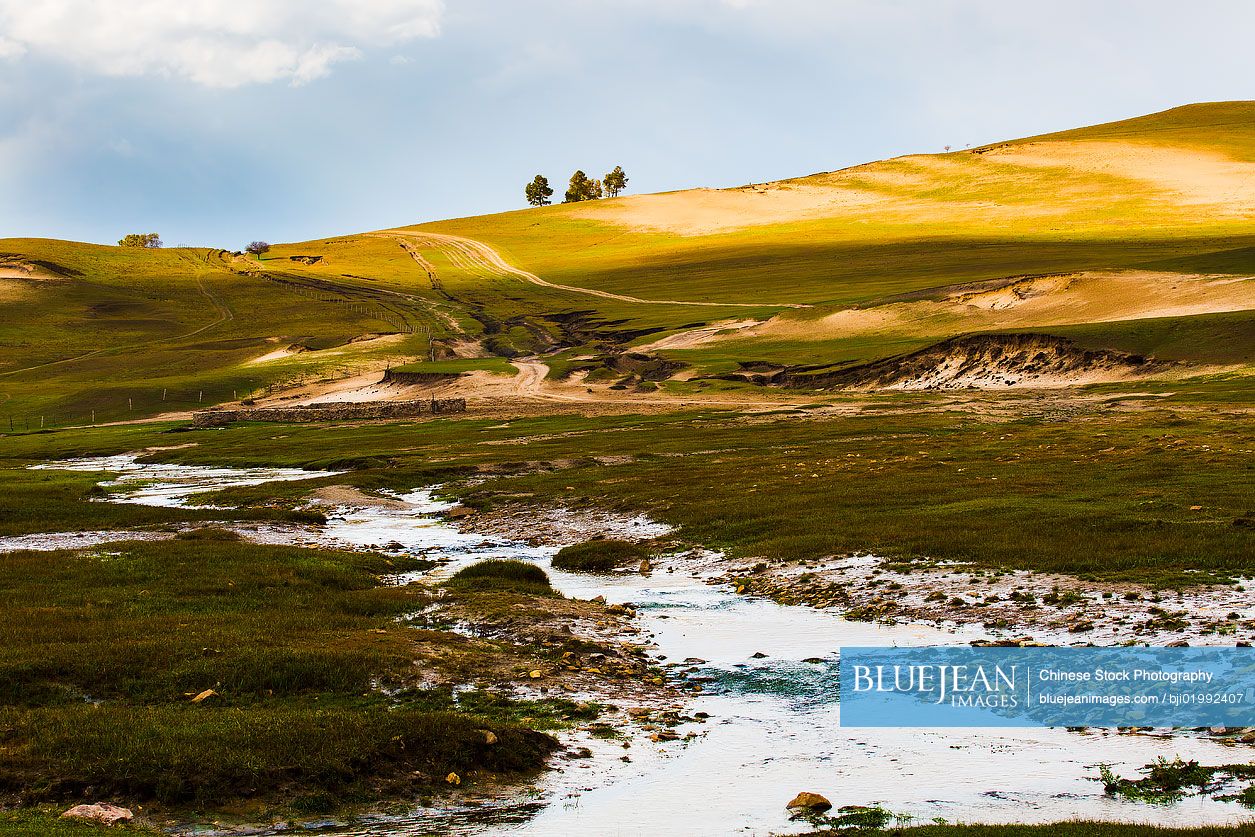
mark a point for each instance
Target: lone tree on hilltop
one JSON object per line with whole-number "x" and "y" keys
{"x": 538, "y": 192}
{"x": 150, "y": 240}
{"x": 615, "y": 182}
{"x": 582, "y": 188}
{"x": 257, "y": 248}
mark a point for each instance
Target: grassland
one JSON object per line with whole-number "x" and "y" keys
{"x": 112, "y": 334}
{"x": 1107, "y": 493}
{"x": 1146, "y": 482}
{"x": 104, "y": 649}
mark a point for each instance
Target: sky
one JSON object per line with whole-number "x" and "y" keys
{"x": 216, "y": 122}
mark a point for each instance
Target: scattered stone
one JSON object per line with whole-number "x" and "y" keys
{"x": 459, "y": 512}
{"x": 101, "y": 812}
{"x": 808, "y": 801}
{"x": 490, "y": 737}
{"x": 646, "y": 567}
{"x": 758, "y": 655}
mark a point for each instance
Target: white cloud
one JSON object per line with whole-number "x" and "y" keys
{"x": 215, "y": 43}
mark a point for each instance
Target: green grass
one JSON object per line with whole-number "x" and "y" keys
{"x": 600, "y": 556}
{"x": 128, "y": 333}
{"x": 1223, "y": 127}
{"x": 1227, "y": 338}
{"x": 102, "y": 650}
{"x": 48, "y": 823}
{"x": 1106, "y": 493}
{"x": 65, "y": 501}
{"x": 150, "y": 622}
{"x": 188, "y": 755}
{"x": 503, "y": 575}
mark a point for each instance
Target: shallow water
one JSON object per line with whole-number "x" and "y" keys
{"x": 158, "y": 484}
{"x": 774, "y": 729}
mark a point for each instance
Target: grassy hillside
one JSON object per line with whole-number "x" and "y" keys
{"x": 94, "y": 326}
{"x": 1130, "y": 207}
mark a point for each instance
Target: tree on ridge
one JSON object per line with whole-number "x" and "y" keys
{"x": 615, "y": 182}
{"x": 538, "y": 191}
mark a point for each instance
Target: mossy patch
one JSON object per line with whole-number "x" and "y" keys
{"x": 599, "y": 556}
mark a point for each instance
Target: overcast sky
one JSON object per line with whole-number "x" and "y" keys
{"x": 214, "y": 122}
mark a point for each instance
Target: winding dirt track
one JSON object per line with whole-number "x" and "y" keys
{"x": 473, "y": 255}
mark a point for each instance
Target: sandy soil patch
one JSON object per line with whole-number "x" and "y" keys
{"x": 694, "y": 337}
{"x": 347, "y": 495}
{"x": 1183, "y": 176}
{"x": 357, "y": 344}
{"x": 1026, "y": 302}
{"x": 709, "y": 211}
{"x": 21, "y": 270}
{"x": 278, "y": 354}
{"x": 1002, "y": 184}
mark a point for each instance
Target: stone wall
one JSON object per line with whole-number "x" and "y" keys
{"x": 346, "y": 411}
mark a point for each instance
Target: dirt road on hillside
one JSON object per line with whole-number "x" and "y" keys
{"x": 472, "y": 255}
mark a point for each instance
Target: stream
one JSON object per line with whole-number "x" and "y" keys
{"x": 769, "y": 685}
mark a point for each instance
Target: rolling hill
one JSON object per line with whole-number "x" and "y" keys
{"x": 1132, "y": 237}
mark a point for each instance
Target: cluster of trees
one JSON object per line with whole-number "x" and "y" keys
{"x": 152, "y": 240}
{"x": 140, "y": 240}
{"x": 581, "y": 188}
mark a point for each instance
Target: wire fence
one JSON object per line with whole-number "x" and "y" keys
{"x": 145, "y": 403}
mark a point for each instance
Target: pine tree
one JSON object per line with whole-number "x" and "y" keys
{"x": 582, "y": 188}
{"x": 538, "y": 191}
{"x": 616, "y": 182}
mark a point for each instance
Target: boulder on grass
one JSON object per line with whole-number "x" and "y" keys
{"x": 101, "y": 812}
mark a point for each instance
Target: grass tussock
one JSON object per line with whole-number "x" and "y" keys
{"x": 505, "y": 576}
{"x": 599, "y": 556}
